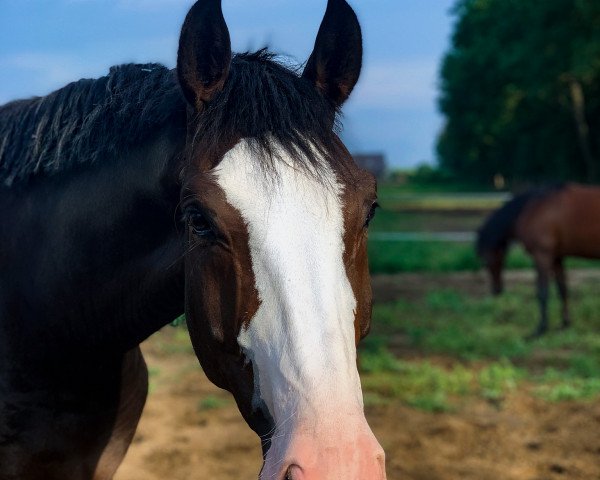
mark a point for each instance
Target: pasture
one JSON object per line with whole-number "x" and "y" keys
{"x": 422, "y": 231}
{"x": 451, "y": 388}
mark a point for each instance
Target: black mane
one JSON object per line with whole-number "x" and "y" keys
{"x": 88, "y": 120}
{"x": 497, "y": 230}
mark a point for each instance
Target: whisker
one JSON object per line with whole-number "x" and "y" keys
{"x": 270, "y": 432}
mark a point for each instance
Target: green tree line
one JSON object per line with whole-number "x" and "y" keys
{"x": 520, "y": 91}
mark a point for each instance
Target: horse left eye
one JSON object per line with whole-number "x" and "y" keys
{"x": 199, "y": 224}
{"x": 371, "y": 214}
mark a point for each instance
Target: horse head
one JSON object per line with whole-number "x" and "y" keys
{"x": 276, "y": 215}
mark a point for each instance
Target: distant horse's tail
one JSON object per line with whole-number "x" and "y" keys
{"x": 498, "y": 229}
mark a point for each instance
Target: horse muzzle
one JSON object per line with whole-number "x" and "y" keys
{"x": 344, "y": 451}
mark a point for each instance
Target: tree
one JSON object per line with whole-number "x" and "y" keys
{"x": 520, "y": 89}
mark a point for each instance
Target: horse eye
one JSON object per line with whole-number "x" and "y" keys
{"x": 199, "y": 224}
{"x": 371, "y": 214}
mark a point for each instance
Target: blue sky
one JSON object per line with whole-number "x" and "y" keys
{"x": 45, "y": 44}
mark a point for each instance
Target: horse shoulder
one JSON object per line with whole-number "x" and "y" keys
{"x": 536, "y": 227}
{"x": 580, "y": 221}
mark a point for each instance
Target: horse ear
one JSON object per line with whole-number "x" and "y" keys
{"x": 204, "y": 54}
{"x": 334, "y": 65}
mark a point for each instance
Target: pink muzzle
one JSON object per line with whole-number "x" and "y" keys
{"x": 330, "y": 450}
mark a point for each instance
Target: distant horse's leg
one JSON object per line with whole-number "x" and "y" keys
{"x": 543, "y": 266}
{"x": 561, "y": 282}
{"x": 134, "y": 389}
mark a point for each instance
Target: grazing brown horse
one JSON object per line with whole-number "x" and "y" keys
{"x": 268, "y": 262}
{"x": 551, "y": 223}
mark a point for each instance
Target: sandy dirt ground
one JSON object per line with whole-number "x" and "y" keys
{"x": 192, "y": 430}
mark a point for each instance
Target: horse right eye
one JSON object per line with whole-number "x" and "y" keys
{"x": 371, "y": 214}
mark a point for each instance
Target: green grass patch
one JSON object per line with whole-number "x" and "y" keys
{"x": 433, "y": 256}
{"x": 430, "y": 387}
{"x": 572, "y": 389}
{"x": 482, "y": 343}
{"x": 408, "y": 256}
{"x": 179, "y": 321}
{"x": 153, "y": 373}
{"x": 178, "y": 343}
{"x": 212, "y": 402}
{"x": 498, "y": 378}
{"x": 419, "y": 384}
{"x": 437, "y": 256}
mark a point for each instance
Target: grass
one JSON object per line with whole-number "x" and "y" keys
{"x": 403, "y": 211}
{"x": 409, "y": 256}
{"x": 456, "y": 346}
{"x": 153, "y": 373}
{"x": 179, "y": 343}
{"x": 395, "y": 257}
{"x": 419, "y": 384}
{"x": 430, "y": 387}
{"x": 212, "y": 402}
{"x": 435, "y": 256}
{"x": 570, "y": 389}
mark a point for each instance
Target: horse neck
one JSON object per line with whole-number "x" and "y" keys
{"x": 94, "y": 255}
{"x": 509, "y": 236}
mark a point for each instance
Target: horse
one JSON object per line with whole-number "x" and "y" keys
{"x": 219, "y": 189}
{"x": 551, "y": 223}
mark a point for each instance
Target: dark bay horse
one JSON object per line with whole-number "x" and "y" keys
{"x": 220, "y": 189}
{"x": 551, "y": 223}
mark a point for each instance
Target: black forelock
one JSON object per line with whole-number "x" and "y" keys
{"x": 270, "y": 104}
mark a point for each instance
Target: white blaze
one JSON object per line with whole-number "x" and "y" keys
{"x": 301, "y": 339}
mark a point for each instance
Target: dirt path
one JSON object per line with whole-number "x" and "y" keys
{"x": 178, "y": 437}
{"x": 191, "y": 430}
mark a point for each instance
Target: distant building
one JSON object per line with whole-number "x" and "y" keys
{"x": 372, "y": 162}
